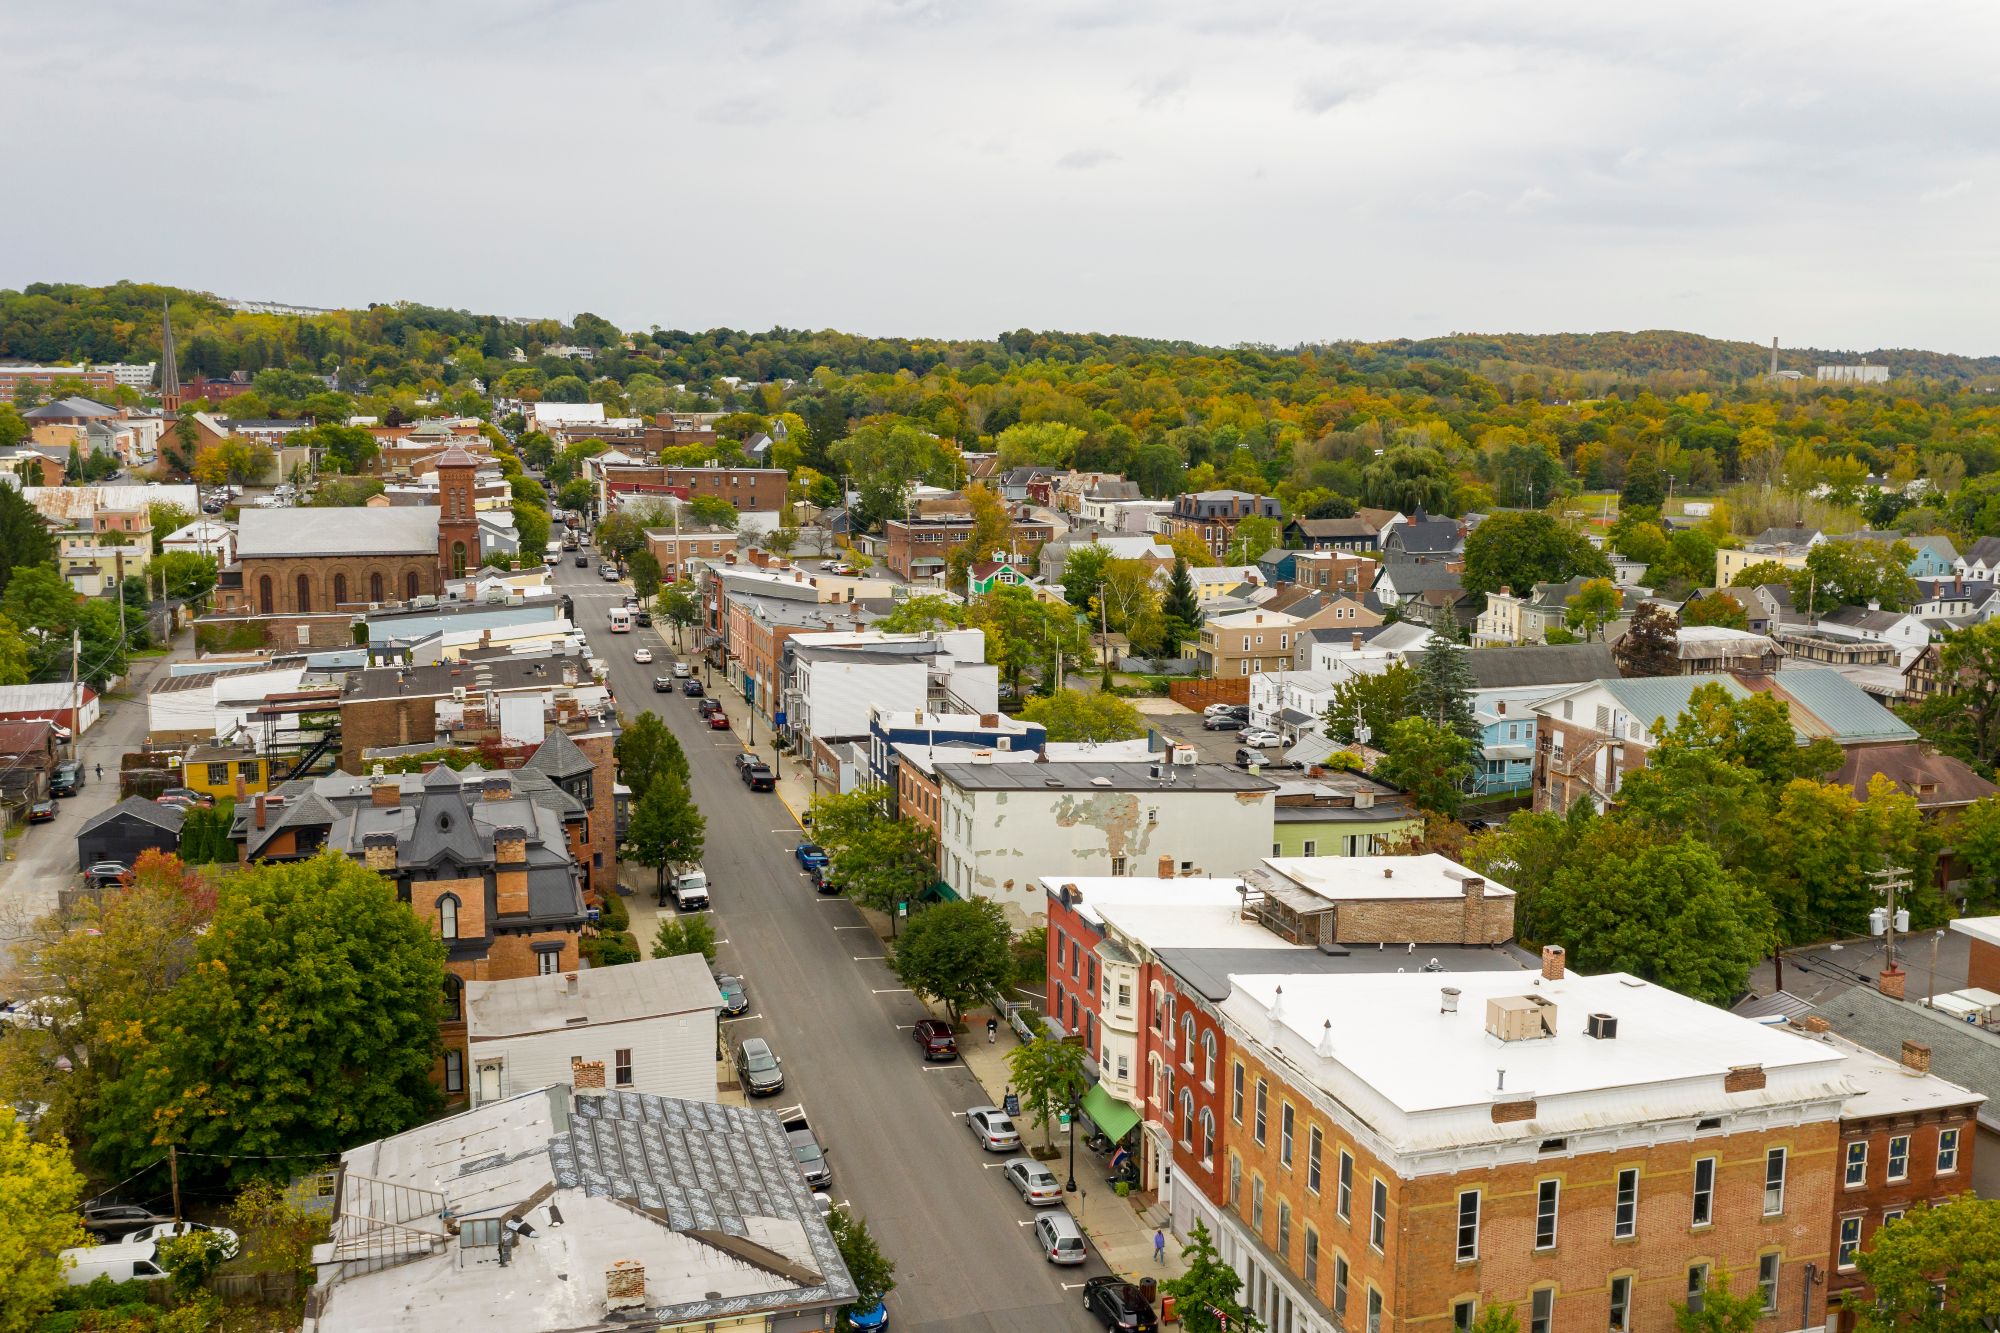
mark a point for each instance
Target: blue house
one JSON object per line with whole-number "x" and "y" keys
{"x": 1508, "y": 683}
{"x": 997, "y": 731}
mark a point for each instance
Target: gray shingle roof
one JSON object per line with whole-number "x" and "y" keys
{"x": 558, "y": 757}
{"x": 168, "y": 817}
{"x": 1966, "y": 1055}
{"x": 1410, "y": 577}
{"x": 1541, "y": 664}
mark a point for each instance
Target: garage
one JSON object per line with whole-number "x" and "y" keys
{"x": 132, "y": 826}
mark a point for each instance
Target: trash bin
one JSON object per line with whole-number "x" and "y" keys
{"x": 1168, "y": 1314}
{"x": 1149, "y": 1290}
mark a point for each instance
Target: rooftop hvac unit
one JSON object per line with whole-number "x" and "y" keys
{"x": 458, "y": 694}
{"x": 1604, "y": 1027}
{"x": 1521, "y": 1017}
{"x": 1186, "y": 755}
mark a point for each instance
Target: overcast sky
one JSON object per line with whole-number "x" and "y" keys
{"x": 1229, "y": 171}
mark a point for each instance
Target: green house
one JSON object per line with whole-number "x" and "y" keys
{"x": 1340, "y": 814}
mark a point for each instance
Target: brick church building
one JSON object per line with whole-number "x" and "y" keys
{"x": 303, "y": 574}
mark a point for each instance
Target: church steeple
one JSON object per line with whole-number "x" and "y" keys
{"x": 170, "y": 375}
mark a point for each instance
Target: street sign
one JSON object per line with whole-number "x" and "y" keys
{"x": 1012, "y": 1103}
{"x": 902, "y": 909}
{"x": 1062, "y": 1119}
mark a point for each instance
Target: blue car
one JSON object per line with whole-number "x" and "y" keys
{"x": 810, "y": 854}
{"x": 876, "y": 1316}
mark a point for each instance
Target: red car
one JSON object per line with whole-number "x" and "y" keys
{"x": 718, "y": 721}
{"x": 935, "y": 1040}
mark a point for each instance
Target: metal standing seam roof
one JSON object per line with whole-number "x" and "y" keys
{"x": 1649, "y": 698}
{"x": 1844, "y": 708}
{"x": 312, "y": 532}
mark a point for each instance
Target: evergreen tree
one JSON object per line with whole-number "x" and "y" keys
{"x": 1180, "y": 608}
{"x": 1443, "y": 688}
{"x": 24, "y": 538}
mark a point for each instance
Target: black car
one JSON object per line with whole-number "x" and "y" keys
{"x": 583, "y": 560}
{"x": 42, "y": 812}
{"x": 1119, "y": 1304}
{"x": 758, "y": 776}
{"x": 643, "y": 619}
{"x": 67, "y": 779}
{"x": 1222, "y": 722}
{"x": 707, "y": 706}
{"x": 691, "y": 688}
{"x": 735, "y": 998}
{"x": 663, "y": 684}
{"x": 822, "y": 879}
{"x": 758, "y": 1070}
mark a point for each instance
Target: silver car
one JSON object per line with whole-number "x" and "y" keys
{"x": 995, "y": 1132}
{"x": 1060, "y": 1239}
{"x": 1036, "y": 1183}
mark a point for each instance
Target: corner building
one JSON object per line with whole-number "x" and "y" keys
{"x": 1404, "y": 1150}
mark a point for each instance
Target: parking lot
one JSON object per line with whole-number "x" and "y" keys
{"x": 1183, "y": 725}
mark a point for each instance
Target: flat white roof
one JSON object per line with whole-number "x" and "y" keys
{"x": 1883, "y": 1086}
{"x": 1183, "y": 912}
{"x": 652, "y": 988}
{"x": 1427, "y": 1080}
{"x": 1985, "y": 929}
{"x": 1382, "y": 877}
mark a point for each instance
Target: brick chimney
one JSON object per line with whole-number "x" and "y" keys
{"x": 510, "y": 846}
{"x": 586, "y": 1076}
{"x": 378, "y": 852}
{"x": 386, "y": 794}
{"x": 1814, "y": 1023}
{"x": 1916, "y": 1057}
{"x": 625, "y": 1285}
{"x": 1891, "y": 981}
{"x": 1552, "y": 962}
{"x": 1743, "y": 1078}
{"x": 260, "y": 809}
{"x": 496, "y": 788}
{"x": 1166, "y": 866}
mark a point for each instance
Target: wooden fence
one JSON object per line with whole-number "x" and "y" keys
{"x": 1199, "y": 694}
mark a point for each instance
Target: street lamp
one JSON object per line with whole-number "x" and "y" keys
{"x": 1075, "y": 1106}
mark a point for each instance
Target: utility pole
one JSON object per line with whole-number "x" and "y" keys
{"x": 174, "y": 1176}
{"x": 1887, "y": 919}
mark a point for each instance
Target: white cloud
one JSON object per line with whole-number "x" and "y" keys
{"x": 1085, "y": 164}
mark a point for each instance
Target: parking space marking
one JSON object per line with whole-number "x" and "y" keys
{"x": 740, "y": 1018}
{"x": 870, "y": 958}
{"x": 906, "y": 1027}
{"x": 894, "y": 990}
{"x": 863, "y": 927}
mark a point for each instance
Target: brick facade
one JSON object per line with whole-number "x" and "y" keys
{"x": 1581, "y": 770}
{"x": 1913, "y": 1144}
{"x": 272, "y": 586}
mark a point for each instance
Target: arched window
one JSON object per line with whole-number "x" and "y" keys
{"x": 1061, "y": 997}
{"x": 1159, "y": 1080}
{"x": 339, "y": 589}
{"x": 1207, "y": 1135}
{"x": 448, "y": 917}
{"x": 1208, "y": 1059}
{"x": 454, "y": 994}
{"x": 1187, "y": 1041}
{"x": 410, "y": 586}
{"x": 374, "y": 587}
{"x": 1187, "y": 1118}
{"x": 458, "y": 560}
{"x": 264, "y": 601}
{"x": 305, "y": 595}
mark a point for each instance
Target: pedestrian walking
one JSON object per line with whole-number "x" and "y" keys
{"x": 1159, "y": 1247}
{"x": 100, "y": 772}
{"x": 992, "y": 1030}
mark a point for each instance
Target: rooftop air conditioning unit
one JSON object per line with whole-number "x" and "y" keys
{"x": 458, "y": 694}
{"x": 1186, "y": 756}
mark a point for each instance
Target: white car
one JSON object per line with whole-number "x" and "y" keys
{"x": 1219, "y": 710}
{"x": 682, "y": 671}
{"x": 642, "y": 655}
{"x": 1036, "y": 1182}
{"x": 164, "y": 1230}
{"x": 995, "y": 1132}
{"x": 1261, "y": 739}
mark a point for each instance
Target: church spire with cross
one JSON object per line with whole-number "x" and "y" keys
{"x": 170, "y": 375}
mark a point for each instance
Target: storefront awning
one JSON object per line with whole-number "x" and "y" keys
{"x": 1109, "y": 1114}
{"x": 939, "y": 892}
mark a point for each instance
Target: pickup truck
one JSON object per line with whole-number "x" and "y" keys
{"x": 691, "y": 889}
{"x": 756, "y": 774}
{"x": 806, "y": 1150}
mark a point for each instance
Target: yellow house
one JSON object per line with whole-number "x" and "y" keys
{"x": 230, "y": 772}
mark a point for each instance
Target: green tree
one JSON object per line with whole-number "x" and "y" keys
{"x": 1520, "y": 549}
{"x": 647, "y": 749}
{"x": 1718, "y": 1310}
{"x": 531, "y": 523}
{"x": 874, "y": 1275}
{"x": 1975, "y": 837}
{"x": 1498, "y": 1317}
{"x": 13, "y": 427}
{"x": 1038, "y": 444}
{"x": 1441, "y": 693}
{"x": 1180, "y": 607}
{"x": 680, "y": 605}
{"x": 1253, "y": 536}
{"x": 991, "y": 532}
{"x": 1049, "y": 1076}
{"x": 879, "y": 861}
{"x": 1070, "y": 715}
{"x": 1372, "y": 703}
{"x": 1593, "y": 606}
{"x": 1966, "y": 721}
{"x": 1955, "y": 1245}
{"x": 575, "y": 495}
{"x": 343, "y": 449}
{"x": 166, "y": 520}
{"x": 1205, "y": 1293}
{"x": 25, "y": 542}
{"x": 955, "y": 953}
{"x": 644, "y": 569}
{"x": 1761, "y": 573}
{"x": 307, "y": 1022}
{"x": 685, "y": 934}
{"x": 1432, "y": 763}
{"x": 667, "y": 829}
{"x": 1083, "y": 570}
{"x": 205, "y": 835}
{"x": 1849, "y": 573}
{"x": 1409, "y": 477}
{"x": 713, "y": 511}
{"x": 1715, "y": 608}
{"x": 883, "y": 455}
{"x": 1645, "y": 488}
{"x": 42, "y": 1189}
{"x": 184, "y": 574}
{"x": 924, "y": 611}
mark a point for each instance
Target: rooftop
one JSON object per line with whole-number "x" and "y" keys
{"x": 271, "y": 533}
{"x": 706, "y": 1199}
{"x": 1103, "y": 776}
{"x": 1540, "y": 664}
{"x": 652, "y": 988}
{"x": 1885, "y": 1087}
{"x": 1381, "y": 878}
{"x": 1961, "y": 1052}
{"x": 525, "y": 672}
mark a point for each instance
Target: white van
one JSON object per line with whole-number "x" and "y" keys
{"x": 552, "y": 554}
{"x": 120, "y": 1263}
{"x": 691, "y": 889}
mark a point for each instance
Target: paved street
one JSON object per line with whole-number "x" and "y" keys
{"x": 820, "y": 992}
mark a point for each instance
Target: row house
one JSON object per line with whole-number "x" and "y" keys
{"x": 1247, "y": 642}
{"x": 1213, "y": 515}
{"x": 917, "y": 549}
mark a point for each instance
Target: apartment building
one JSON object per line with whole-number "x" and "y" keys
{"x": 1590, "y": 1150}
{"x": 1213, "y": 516}
{"x": 918, "y": 548}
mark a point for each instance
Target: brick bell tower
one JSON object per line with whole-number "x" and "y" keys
{"x": 458, "y": 522}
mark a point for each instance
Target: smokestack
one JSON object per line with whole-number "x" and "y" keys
{"x": 1774, "y": 356}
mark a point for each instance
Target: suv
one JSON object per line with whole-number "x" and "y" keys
{"x": 1119, "y": 1304}
{"x": 934, "y": 1039}
{"x": 1059, "y": 1238}
{"x": 116, "y": 1219}
{"x": 105, "y": 875}
{"x": 67, "y": 780}
{"x": 757, "y": 1069}
{"x": 662, "y": 685}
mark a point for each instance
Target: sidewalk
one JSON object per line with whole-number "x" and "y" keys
{"x": 1121, "y": 1230}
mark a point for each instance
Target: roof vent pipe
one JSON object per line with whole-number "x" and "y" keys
{"x": 1448, "y": 1000}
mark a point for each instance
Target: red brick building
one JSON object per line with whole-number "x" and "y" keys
{"x": 919, "y": 548}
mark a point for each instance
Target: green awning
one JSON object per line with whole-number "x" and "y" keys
{"x": 1109, "y": 1114}
{"x": 939, "y": 892}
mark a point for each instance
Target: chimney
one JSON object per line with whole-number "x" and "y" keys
{"x": 378, "y": 853}
{"x": 1814, "y": 1023}
{"x": 387, "y": 794}
{"x": 569, "y": 983}
{"x": 1388, "y": 872}
{"x": 1916, "y": 1058}
{"x": 1357, "y": 641}
{"x": 586, "y": 1076}
{"x": 1890, "y": 981}
{"x": 1552, "y": 962}
{"x": 1166, "y": 866}
{"x": 625, "y": 1286}
{"x": 1743, "y": 1078}
{"x": 989, "y": 720}
{"x": 496, "y": 788}
{"x": 260, "y": 809}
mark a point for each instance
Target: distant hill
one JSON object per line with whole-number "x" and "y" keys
{"x": 1653, "y": 350}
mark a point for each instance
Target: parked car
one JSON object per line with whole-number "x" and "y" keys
{"x": 1245, "y": 756}
{"x": 682, "y": 670}
{"x": 871, "y": 1320}
{"x": 175, "y": 799}
{"x": 1037, "y": 1184}
{"x": 1119, "y": 1304}
{"x": 643, "y": 656}
{"x": 995, "y": 1132}
{"x": 1262, "y": 739}
{"x": 1222, "y": 722}
{"x": 200, "y": 798}
{"x": 104, "y": 874}
{"x": 67, "y": 779}
{"x": 609, "y": 573}
{"x": 933, "y": 1037}
{"x": 42, "y": 812}
{"x": 159, "y": 1231}
{"x": 691, "y": 688}
{"x": 663, "y": 685}
{"x": 121, "y": 1263}
{"x": 643, "y": 619}
{"x": 759, "y": 1071}
{"x": 822, "y": 879}
{"x": 735, "y": 997}
{"x": 1219, "y": 710}
{"x": 809, "y": 854}
{"x": 1059, "y": 1239}
{"x": 806, "y": 1149}
{"x": 718, "y": 721}
{"x": 118, "y": 1219}
{"x": 758, "y": 776}
{"x": 707, "y": 706}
